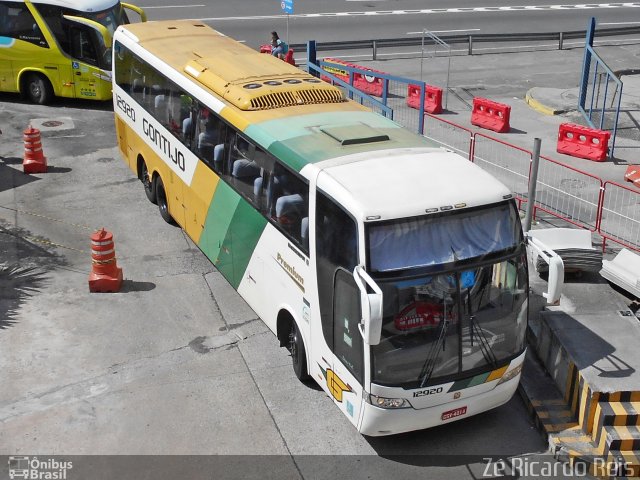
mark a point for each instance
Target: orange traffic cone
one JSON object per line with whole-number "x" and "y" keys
{"x": 105, "y": 275}
{"x": 34, "y": 160}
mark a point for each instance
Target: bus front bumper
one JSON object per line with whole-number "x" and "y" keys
{"x": 380, "y": 421}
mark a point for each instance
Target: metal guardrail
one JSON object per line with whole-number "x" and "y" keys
{"x": 469, "y": 40}
{"x": 564, "y": 192}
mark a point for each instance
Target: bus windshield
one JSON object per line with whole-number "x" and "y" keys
{"x": 439, "y": 239}
{"x": 110, "y": 18}
{"x": 464, "y": 309}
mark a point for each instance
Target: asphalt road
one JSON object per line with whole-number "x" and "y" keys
{"x": 339, "y": 20}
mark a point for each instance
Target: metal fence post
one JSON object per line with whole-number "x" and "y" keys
{"x": 586, "y": 63}
{"x": 375, "y": 50}
{"x": 470, "y": 45}
{"x": 533, "y": 180}
{"x": 561, "y": 41}
{"x": 311, "y": 56}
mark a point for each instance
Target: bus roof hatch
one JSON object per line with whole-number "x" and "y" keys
{"x": 354, "y": 134}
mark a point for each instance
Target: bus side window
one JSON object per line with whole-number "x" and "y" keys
{"x": 19, "y": 23}
{"x": 173, "y": 121}
{"x": 244, "y": 169}
{"x": 288, "y": 202}
{"x": 82, "y": 46}
{"x": 122, "y": 71}
{"x": 5, "y": 21}
{"x": 209, "y": 132}
{"x": 336, "y": 234}
{"x": 52, "y": 15}
{"x": 139, "y": 89}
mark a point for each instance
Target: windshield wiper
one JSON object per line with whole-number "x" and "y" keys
{"x": 429, "y": 364}
{"x": 485, "y": 346}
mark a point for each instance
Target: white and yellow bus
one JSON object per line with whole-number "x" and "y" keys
{"x": 393, "y": 271}
{"x": 59, "y": 47}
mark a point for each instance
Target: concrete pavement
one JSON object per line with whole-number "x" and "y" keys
{"x": 176, "y": 363}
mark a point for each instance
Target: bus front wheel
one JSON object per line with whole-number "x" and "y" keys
{"x": 163, "y": 205}
{"x": 38, "y": 88}
{"x": 298, "y": 352}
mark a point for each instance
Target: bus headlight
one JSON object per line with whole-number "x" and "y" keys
{"x": 383, "y": 402}
{"x": 510, "y": 374}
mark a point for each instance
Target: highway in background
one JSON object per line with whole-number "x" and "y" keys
{"x": 340, "y": 20}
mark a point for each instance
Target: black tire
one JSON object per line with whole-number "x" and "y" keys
{"x": 38, "y": 89}
{"x": 148, "y": 183}
{"x": 298, "y": 353}
{"x": 163, "y": 205}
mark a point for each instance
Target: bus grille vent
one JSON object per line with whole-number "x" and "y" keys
{"x": 298, "y": 97}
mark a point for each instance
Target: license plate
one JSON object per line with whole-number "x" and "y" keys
{"x": 458, "y": 412}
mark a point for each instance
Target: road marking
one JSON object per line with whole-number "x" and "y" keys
{"x": 171, "y": 6}
{"x": 431, "y": 11}
{"x": 620, "y": 23}
{"x": 445, "y": 31}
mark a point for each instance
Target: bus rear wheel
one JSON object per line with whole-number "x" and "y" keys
{"x": 148, "y": 183}
{"x": 38, "y": 89}
{"x": 163, "y": 205}
{"x": 298, "y": 352}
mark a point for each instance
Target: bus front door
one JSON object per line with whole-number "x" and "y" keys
{"x": 348, "y": 359}
{"x": 91, "y": 58}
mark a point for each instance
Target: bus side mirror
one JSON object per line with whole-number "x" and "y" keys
{"x": 535, "y": 248}
{"x": 134, "y": 8}
{"x": 371, "y": 306}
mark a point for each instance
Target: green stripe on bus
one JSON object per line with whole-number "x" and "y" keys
{"x": 231, "y": 233}
{"x": 246, "y": 226}
{"x": 215, "y": 240}
{"x": 478, "y": 379}
{"x": 469, "y": 382}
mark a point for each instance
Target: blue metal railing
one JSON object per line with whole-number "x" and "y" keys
{"x": 590, "y": 100}
{"x": 320, "y": 67}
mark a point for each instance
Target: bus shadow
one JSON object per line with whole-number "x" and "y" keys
{"x": 463, "y": 443}
{"x": 74, "y": 103}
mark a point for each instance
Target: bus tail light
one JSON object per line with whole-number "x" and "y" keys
{"x": 383, "y": 402}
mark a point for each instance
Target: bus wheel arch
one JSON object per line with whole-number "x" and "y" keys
{"x": 148, "y": 179}
{"x": 291, "y": 337}
{"x": 162, "y": 200}
{"x": 37, "y": 87}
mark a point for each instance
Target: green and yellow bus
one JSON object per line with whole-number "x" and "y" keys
{"x": 59, "y": 48}
{"x": 393, "y": 271}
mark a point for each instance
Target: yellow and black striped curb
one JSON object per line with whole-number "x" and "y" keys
{"x": 540, "y": 107}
